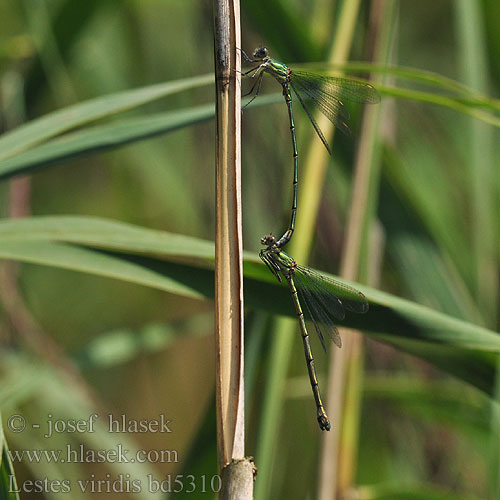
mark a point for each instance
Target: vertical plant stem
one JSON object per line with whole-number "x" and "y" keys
{"x": 228, "y": 252}
{"x": 339, "y": 451}
{"x": 41, "y": 27}
{"x": 281, "y": 351}
{"x": 317, "y": 158}
{"x": 474, "y": 69}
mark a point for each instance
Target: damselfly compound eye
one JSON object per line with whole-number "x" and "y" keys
{"x": 260, "y": 53}
{"x": 268, "y": 240}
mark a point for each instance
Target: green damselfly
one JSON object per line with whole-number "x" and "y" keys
{"x": 325, "y": 300}
{"x": 326, "y": 92}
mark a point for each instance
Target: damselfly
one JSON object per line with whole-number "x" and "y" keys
{"x": 325, "y": 301}
{"x": 326, "y": 92}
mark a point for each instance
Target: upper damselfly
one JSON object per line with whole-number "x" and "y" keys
{"x": 326, "y": 92}
{"x": 325, "y": 300}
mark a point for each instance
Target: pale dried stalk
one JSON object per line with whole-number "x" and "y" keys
{"x": 228, "y": 248}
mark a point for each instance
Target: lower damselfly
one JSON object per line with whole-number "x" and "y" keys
{"x": 326, "y": 92}
{"x": 325, "y": 300}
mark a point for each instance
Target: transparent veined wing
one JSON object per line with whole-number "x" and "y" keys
{"x": 320, "y": 310}
{"x": 326, "y": 300}
{"x": 332, "y": 108}
{"x": 337, "y": 88}
{"x": 351, "y": 299}
{"x": 328, "y": 93}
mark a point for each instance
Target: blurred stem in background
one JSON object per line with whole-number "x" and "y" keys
{"x": 485, "y": 228}
{"x": 51, "y": 60}
{"x": 361, "y": 260}
{"x": 474, "y": 72}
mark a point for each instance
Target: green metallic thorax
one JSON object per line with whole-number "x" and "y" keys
{"x": 285, "y": 262}
{"x": 279, "y": 70}
{"x": 280, "y": 259}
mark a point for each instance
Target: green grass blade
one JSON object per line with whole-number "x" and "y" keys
{"x": 103, "y": 138}
{"x": 466, "y": 106}
{"x": 416, "y": 75}
{"x": 143, "y": 272}
{"x": 58, "y": 122}
{"x": 106, "y": 234}
{"x": 437, "y": 82}
{"x": 480, "y": 159}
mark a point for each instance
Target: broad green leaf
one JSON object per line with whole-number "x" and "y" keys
{"x": 142, "y": 271}
{"x": 183, "y": 265}
{"x": 104, "y": 233}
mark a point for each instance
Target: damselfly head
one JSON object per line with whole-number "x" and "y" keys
{"x": 260, "y": 53}
{"x": 268, "y": 240}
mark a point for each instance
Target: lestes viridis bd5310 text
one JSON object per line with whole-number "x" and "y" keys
{"x": 326, "y": 92}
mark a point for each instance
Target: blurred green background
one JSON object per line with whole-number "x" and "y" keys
{"x": 130, "y": 349}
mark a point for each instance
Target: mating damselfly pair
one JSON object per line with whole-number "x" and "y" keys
{"x": 325, "y": 299}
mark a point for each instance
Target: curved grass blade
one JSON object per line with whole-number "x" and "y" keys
{"x": 57, "y": 122}
{"x": 102, "y": 138}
